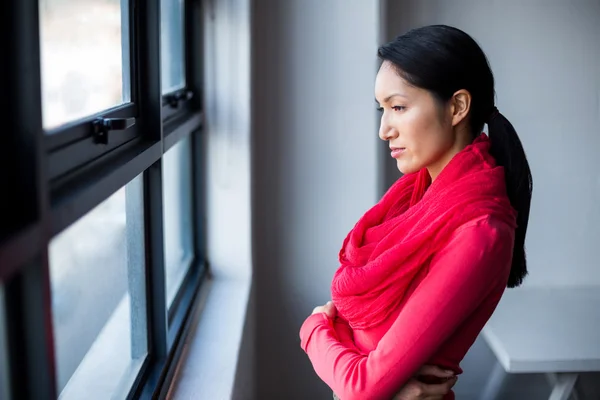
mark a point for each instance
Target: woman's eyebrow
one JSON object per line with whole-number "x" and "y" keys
{"x": 391, "y": 96}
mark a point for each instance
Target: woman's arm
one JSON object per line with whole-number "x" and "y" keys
{"x": 461, "y": 276}
{"x": 344, "y": 332}
{"x": 430, "y": 382}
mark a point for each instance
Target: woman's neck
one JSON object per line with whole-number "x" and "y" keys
{"x": 459, "y": 145}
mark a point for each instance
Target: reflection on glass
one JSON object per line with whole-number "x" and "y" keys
{"x": 172, "y": 46}
{"x": 177, "y": 199}
{"x": 84, "y": 58}
{"x": 98, "y": 301}
{"x": 4, "y": 381}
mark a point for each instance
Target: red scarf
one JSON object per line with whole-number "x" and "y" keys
{"x": 397, "y": 237}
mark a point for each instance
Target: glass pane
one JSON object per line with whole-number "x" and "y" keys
{"x": 84, "y": 58}
{"x": 4, "y": 381}
{"x": 177, "y": 199}
{"x": 98, "y": 298}
{"x": 172, "y": 45}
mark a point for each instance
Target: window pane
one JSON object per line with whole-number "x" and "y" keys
{"x": 4, "y": 381}
{"x": 172, "y": 46}
{"x": 177, "y": 198}
{"x": 98, "y": 300}
{"x": 84, "y": 58}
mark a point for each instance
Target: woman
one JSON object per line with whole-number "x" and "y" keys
{"x": 423, "y": 270}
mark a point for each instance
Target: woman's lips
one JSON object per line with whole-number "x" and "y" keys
{"x": 397, "y": 151}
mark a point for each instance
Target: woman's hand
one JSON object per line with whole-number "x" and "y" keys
{"x": 329, "y": 309}
{"x": 430, "y": 383}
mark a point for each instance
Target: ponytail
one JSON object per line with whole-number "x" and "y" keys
{"x": 509, "y": 153}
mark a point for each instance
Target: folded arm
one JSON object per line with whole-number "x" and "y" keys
{"x": 461, "y": 276}
{"x": 344, "y": 332}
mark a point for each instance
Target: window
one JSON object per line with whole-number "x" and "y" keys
{"x": 177, "y": 184}
{"x": 98, "y": 297}
{"x": 178, "y": 31}
{"x": 104, "y": 259}
{"x": 82, "y": 68}
{"x": 172, "y": 45}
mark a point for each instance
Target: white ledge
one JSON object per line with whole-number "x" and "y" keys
{"x": 210, "y": 356}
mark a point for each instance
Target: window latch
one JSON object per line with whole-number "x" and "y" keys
{"x": 173, "y": 100}
{"x": 104, "y": 125}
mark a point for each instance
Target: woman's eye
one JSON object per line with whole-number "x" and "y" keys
{"x": 395, "y": 108}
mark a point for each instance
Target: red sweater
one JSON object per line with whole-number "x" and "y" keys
{"x": 447, "y": 306}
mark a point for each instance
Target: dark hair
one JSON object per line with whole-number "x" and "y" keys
{"x": 443, "y": 60}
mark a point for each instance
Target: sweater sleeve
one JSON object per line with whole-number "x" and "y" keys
{"x": 460, "y": 277}
{"x": 344, "y": 332}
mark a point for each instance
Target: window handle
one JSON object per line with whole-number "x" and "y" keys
{"x": 104, "y": 125}
{"x": 174, "y": 99}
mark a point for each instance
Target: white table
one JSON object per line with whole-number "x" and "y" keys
{"x": 555, "y": 331}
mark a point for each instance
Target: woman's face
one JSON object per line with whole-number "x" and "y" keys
{"x": 419, "y": 129}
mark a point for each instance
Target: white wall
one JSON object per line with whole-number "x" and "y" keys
{"x": 546, "y": 61}
{"x": 315, "y": 168}
{"x": 227, "y": 126}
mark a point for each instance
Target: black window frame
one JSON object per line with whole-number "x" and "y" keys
{"x": 51, "y": 180}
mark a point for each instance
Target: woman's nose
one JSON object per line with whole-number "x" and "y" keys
{"x": 386, "y": 131}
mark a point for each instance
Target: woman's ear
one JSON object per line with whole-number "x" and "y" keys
{"x": 460, "y": 105}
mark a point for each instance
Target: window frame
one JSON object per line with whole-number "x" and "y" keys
{"x": 53, "y": 179}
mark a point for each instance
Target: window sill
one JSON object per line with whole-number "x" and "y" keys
{"x": 209, "y": 359}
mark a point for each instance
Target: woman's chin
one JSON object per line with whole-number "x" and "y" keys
{"x": 406, "y": 168}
